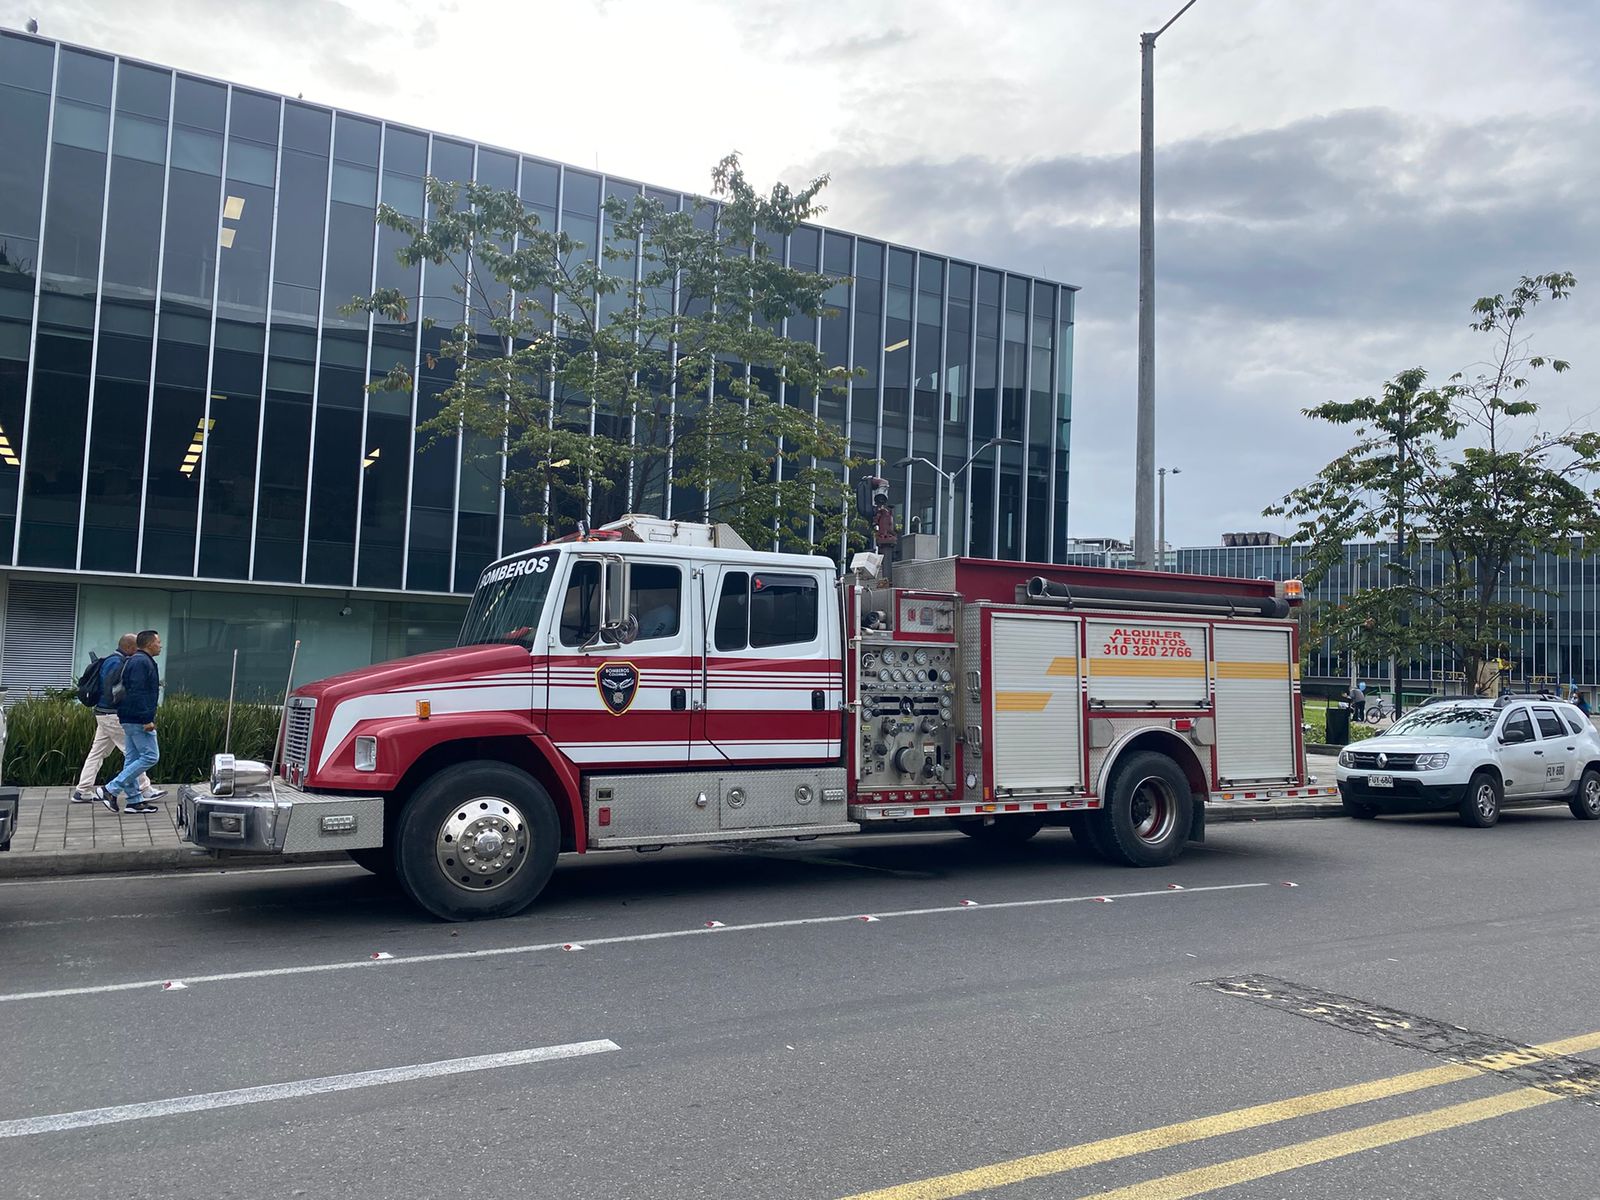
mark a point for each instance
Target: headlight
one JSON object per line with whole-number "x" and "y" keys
{"x": 1345, "y": 759}
{"x": 366, "y": 753}
{"x": 232, "y": 776}
{"x": 1432, "y": 762}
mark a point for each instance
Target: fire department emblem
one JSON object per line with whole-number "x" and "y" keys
{"x": 619, "y": 684}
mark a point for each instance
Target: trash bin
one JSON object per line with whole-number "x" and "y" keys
{"x": 1339, "y": 725}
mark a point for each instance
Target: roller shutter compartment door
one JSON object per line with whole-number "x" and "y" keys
{"x": 1139, "y": 665}
{"x": 1255, "y": 704}
{"x": 1037, "y": 725}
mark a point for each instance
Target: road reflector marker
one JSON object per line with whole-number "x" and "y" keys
{"x": 866, "y": 918}
{"x": 174, "y": 985}
{"x": 571, "y": 946}
{"x": 1174, "y": 887}
{"x": 1286, "y": 883}
{"x": 1103, "y": 900}
{"x": 715, "y": 925}
{"x": 969, "y": 904}
{"x": 377, "y": 954}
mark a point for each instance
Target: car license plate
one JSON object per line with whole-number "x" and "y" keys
{"x": 1383, "y": 781}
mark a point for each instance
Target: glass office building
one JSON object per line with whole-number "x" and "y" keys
{"x": 1558, "y": 644}
{"x": 186, "y": 438}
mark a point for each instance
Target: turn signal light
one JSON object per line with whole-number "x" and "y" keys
{"x": 424, "y": 709}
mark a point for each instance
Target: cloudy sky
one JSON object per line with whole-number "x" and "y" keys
{"x": 1337, "y": 180}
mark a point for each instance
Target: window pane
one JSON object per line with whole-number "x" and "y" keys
{"x": 654, "y": 598}
{"x": 580, "y": 610}
{"x": 286, "y": 440}
{"x": 783, "y": 610}
{"x": 733, "y": 612}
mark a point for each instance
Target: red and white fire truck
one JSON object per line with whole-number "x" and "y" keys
{"x": 656, "y": 683}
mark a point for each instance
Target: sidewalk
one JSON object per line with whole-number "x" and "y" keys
{"x": 56, "y": 837}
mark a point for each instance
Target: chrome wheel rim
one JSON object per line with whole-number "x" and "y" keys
{"x": 1487, "y": 804}
{"x": 1153, "y": 810}
{"x": 481, "y": 843}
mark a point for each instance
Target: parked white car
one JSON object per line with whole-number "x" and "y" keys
{"x": 1476, "y": 756}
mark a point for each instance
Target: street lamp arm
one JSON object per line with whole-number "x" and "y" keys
{"x": 994, "y": 441}
{"x": 917, "y": 458}
{"x": 1168, "y": 25}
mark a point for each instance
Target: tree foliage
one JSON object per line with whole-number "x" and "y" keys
{"x": 640, "y": 376}
{"x": 1465, "y": 471}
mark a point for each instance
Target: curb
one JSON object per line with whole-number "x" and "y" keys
{"x": 1272, "y": 810}
{"x": 45, "y": 864}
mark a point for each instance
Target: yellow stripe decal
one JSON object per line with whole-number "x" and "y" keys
{"x": 1147, "y": 668}
{"x": 1055, "y": 1162}
{"x": 1253, "y": 670}
{"x": 1062, "y": 666}
{"x": 1021, "y": 701}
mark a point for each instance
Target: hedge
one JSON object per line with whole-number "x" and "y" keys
{"x": 48, "y": 737}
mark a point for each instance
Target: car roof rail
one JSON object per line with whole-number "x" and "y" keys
{"x": 1506, "y": 698}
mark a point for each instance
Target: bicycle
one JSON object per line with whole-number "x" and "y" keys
{"x": 1377, "y": 710}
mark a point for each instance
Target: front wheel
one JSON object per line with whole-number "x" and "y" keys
{"x": 1480, "y": 808}
{"x": 1147, "y": 815}
{"x": 478, "y": 840}
{"x": 1586, "y": 804}
{"x": 1356, "y": 809}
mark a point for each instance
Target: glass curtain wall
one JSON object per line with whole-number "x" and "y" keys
{"x": 177, "y": 257}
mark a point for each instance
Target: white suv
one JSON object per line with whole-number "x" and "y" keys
{"x": 1476, "y": 755}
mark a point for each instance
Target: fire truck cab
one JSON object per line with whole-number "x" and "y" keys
{"x": 656, "y": 683}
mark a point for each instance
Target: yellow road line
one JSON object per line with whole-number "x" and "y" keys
{"x": 1054, "y": 1162}
{"x": 1323, "y": 1149}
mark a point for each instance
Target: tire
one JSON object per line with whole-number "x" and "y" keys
{"x": 1004, "y": 830}
{"x": 378, "y": 859}
{"x": 1356, "y": 809}
{"x": 1480, "y": 807}
{"x": 1586, "y": 804}
{"x": 516, "y": 836}
{"x": 1078, "y": 823}
{"x": 1148, "y": 813}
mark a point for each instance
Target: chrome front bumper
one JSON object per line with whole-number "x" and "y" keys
{"x": 279, "y": 820}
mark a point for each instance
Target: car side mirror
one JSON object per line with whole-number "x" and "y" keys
{"x": 1512, "y": 737}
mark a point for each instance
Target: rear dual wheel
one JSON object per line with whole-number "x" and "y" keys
{"x": 1148, "y": 813}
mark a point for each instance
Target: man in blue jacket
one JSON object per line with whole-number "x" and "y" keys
{"x": 141, "y": 692}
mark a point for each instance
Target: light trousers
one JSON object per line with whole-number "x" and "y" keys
{"x": 108, "y": 736}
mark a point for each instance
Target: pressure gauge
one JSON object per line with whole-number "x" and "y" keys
{"x": 869, "y": 661}
{"x": 883, "y": 675}
{"x": 946, "y": 676}
{"x": 899, "y": 675}
{"x": 922, "y": 658}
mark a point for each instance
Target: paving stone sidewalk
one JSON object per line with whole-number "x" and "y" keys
{"x": 57, "y": 837}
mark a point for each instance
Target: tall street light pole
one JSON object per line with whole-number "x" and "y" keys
{"x": 1145, "y": 434}
{"x": 948, "y": 543}
{"x": 1161, "y": 526}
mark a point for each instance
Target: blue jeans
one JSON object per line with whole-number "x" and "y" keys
{"x": 142, "y": 753}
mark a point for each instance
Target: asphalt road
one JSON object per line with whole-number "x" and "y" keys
{"x": 998, "y": 1031}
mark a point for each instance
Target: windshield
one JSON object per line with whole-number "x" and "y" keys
{"x": 1446, "y": 720}
{"x": 509, "y": 601}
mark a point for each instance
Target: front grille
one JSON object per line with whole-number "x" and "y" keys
{"x": 297, "y": 738}
{"x": 1368, "y": 760}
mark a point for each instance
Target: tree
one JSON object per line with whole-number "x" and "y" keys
{"x": 1463, "y": 470}
{"x": 642, "y": 378}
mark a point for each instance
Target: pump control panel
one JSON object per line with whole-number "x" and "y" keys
{"x": 907, "y": 716}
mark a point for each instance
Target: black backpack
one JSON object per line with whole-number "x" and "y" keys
{"x": 89, "y": 682}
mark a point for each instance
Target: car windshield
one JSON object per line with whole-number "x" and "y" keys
{"x": 509, "y": 602}
{"x": 1446, "y": 720}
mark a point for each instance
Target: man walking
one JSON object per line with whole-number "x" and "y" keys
{"x": 141, "y": 692}
{"x": 108, "y": 729}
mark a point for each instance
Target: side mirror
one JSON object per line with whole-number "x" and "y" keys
{"x": 1513, "y": 737}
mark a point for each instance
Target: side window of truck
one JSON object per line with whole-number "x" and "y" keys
{"x": 765, "y": 610}
{"x": 580, "y": 607}
{"x": 655, "y": 593}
